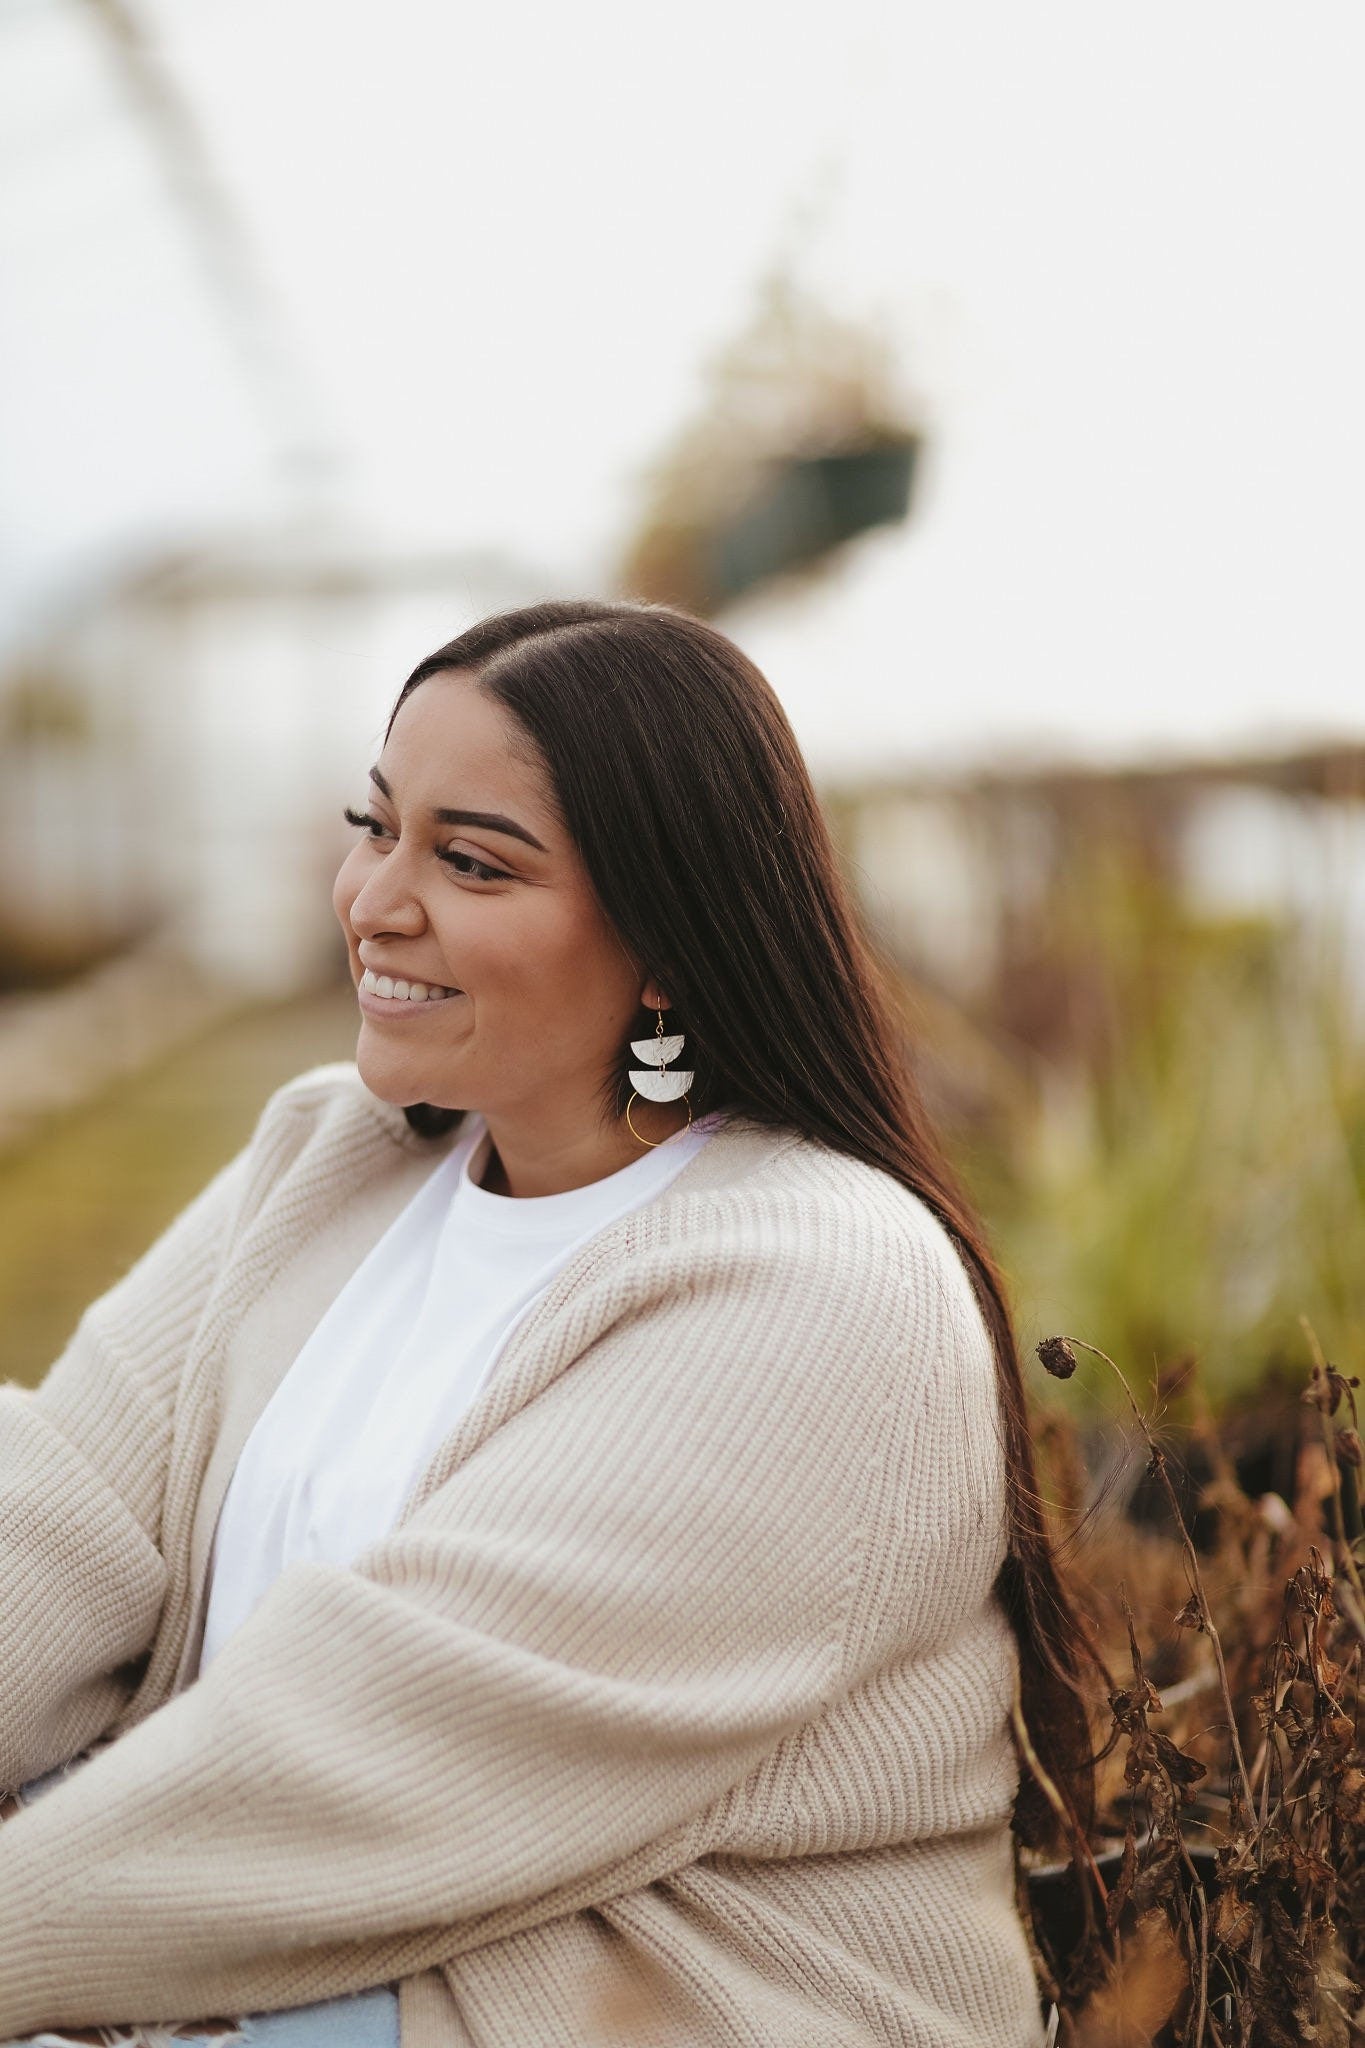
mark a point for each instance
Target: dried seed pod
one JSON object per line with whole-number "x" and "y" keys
{"x": 1350, "y": 1795}
{"x": 1191, "y": 1615}
{"x": 1328, "y": 1388}
{"x": 1058, "y": 1357}
{"x": 1338, "y": 1735}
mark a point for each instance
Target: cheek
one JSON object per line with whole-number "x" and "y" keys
{"x": 582, "y": 956}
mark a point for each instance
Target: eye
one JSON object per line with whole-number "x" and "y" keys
{"x": 474, "y": 870}
{"x": 460, "y": 863}
{"x": 362, "y": 818}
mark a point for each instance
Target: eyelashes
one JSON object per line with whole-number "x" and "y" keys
{"x": 476, "y": 870}
{"x": 463, "y": 864}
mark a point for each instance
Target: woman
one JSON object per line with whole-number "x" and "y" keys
{"x": 544, "y": 1548}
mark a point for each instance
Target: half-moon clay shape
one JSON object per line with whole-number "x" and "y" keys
{"x": 657, "y": 1087}
{"x": 658, "y": 1049}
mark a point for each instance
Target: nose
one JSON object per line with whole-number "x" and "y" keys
{"x": 383, "y": 904}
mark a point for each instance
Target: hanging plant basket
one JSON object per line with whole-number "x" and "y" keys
{"x": 807, "y": 438}
{"x": 810, "y": 506}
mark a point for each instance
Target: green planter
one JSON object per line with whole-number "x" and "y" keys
{"x": 813, "y": 505}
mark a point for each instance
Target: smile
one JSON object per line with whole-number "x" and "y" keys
{"x": 406, "y": 1005}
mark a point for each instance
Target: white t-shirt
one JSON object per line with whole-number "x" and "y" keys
{"x": 397, "y": 1359}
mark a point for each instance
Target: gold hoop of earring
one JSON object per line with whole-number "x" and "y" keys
{"x": 653, "y": 1083}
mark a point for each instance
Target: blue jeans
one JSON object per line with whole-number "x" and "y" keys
{"x": 362, "y": 2019}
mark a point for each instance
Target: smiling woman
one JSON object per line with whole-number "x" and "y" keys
{"x": 468, "y": 882}
{"x": 547, "y": 1548}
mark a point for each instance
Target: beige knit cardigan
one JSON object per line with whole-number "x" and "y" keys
{"x": 675, "y": 1710}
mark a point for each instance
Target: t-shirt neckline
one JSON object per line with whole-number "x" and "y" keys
{"x": 532, "y": 1213}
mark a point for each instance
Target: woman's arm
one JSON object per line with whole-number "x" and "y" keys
{"x": 83, "y": 1464}
{"x": 616, "y": 1607}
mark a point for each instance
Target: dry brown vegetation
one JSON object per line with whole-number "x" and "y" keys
{"x": 1225, "y": 1893}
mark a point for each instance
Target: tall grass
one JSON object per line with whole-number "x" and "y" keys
{"x": 1178, "y": 1162}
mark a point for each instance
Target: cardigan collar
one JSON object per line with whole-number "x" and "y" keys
{"x": 291, "y": 1292}
{"x": 739, "y": 1144}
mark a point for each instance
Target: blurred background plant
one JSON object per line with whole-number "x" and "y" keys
{"x": 1151, "y": 1063}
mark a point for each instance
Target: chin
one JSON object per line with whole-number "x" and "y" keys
{"x": 401, "y": 1082}
{"x": 391, "y": 1079}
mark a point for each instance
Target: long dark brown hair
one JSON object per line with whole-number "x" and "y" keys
{"x": 681, "y": 783}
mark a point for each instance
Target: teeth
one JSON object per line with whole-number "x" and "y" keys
{"x": 404, "y": 991}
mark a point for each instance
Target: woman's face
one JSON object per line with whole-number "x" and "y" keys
{"x": 493, "y": 903}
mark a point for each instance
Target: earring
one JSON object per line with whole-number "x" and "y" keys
{"x": 653, "y": 1083}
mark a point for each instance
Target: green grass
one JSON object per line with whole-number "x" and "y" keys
{"x": 1195, "y": 1180}
{"x": 86, "y": 1194}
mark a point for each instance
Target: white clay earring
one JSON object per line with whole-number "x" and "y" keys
{"x": 654, "y": 1083}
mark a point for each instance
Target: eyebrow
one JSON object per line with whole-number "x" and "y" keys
{"x": 493, "y": 821}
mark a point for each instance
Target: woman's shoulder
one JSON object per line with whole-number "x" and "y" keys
{"x": 323, "y": 1128}
{"x": 861, "y": 1281}
{"x": 827, "y": 1217}
{"x": 783, "y": 1173}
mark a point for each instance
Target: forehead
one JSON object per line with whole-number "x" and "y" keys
{"x": 451, "y": 743}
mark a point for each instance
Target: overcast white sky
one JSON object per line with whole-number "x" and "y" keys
{"x": 1119, "y": 247}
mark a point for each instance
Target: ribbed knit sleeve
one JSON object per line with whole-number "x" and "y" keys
{"x": 82, "y": 1467}
{"x": 603, "y": 1619}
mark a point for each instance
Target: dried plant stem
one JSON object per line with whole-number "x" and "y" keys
{"x": 1269, "y": 1754}
{"x": 1352, "y": 1609}
{"x": 1355, "y": 1608}
{"x": 1196, "y": 1952}
{"x": 1158, "y": 1464}
{"x": 1200, "y": 1975}
{"x": 1058, "y": 1805}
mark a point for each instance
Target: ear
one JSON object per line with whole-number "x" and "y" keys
{"x": 652, "y": 997}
